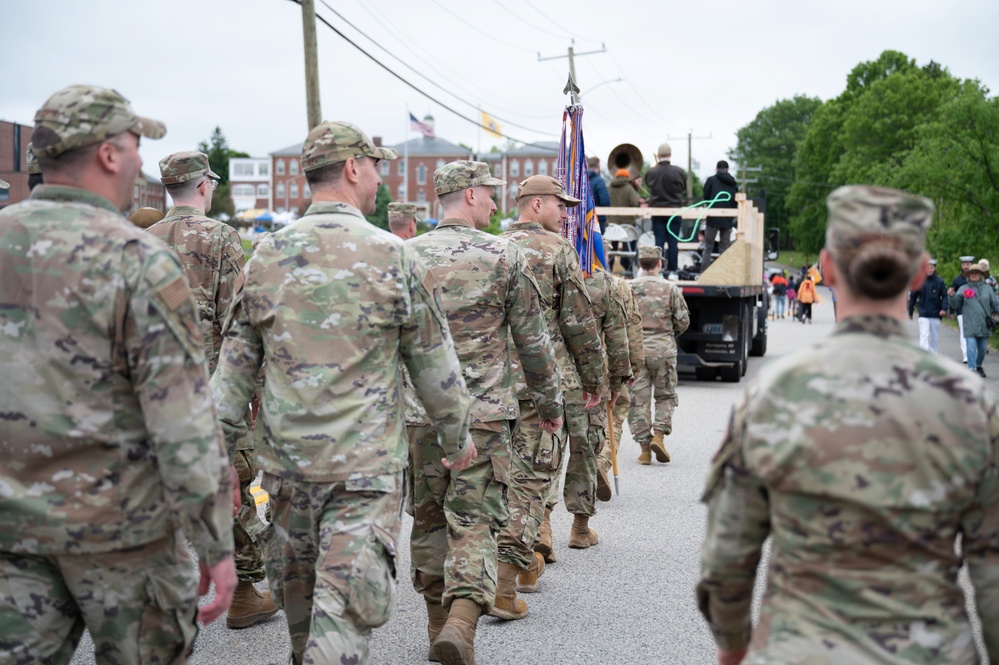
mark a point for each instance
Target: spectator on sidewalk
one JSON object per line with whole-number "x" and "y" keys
{"x": 957, "y": 283}
{"x": 932, "y": 299}
{"x": 979, "y": 303}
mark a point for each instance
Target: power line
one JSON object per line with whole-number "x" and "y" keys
{"x": 480, "y": 31}
{"x": 632, "y": 85}
{"x": 420, "y": 74}
{"x": 425, "y": 94}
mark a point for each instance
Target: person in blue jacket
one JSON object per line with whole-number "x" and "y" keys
{"x": 932, "y": 299}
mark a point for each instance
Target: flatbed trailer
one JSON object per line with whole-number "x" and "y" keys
{"x": 729, "y": 301}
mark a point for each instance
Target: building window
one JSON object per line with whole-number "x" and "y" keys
{"x": 242, "y": 190}
{"x": 264, "y": 168}
{"x": 528, "y": 168}
{"x": 421, "y": 195}
{"x": 293, "y": 167}
{"x": 280, "y": 209}
{"x": 385, "y": 167}
{"x": 401, "y": 195}
{"x": 279, "y": 169}
{"x": 263, "y": 191}
{"x": 307, "y": 191}
{"x": 543, "y": 167}
{"x": 402, "y": 167}
{"x": 421, "y": 175}
{"x": 242, "y": 169}
{"x": 440, "y": 163}
{"x": 514, "y": 168}
{"x": 294, "y": 189}
{"x": 280, "y": 190}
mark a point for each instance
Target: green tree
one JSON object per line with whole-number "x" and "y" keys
{"x": 218, "y": 151}
{"x": 380, "y": 216}
{"x": 771, "y": 142}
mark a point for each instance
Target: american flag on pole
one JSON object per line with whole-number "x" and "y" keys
{"x": 421, "y": 127}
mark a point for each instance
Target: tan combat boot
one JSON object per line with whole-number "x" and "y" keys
{"x": 456, "y": 643}
{"x": 582, "y": 536}
{"x": 603, "y": 484}
{"x": 544, "y": 544}
{"x": 658, "y": 447}
{"x": 249, "y": 606}
{"x": 507, "y": 605}
{"x": 645, "y": 457}
{"x": 436, "y": 618}
{"x": 527, "y": 581}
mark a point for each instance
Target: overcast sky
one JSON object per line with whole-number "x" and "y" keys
{"x": 709, "y": 67}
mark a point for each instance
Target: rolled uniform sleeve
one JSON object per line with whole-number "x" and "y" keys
{"x": 530, "y": 336}
{"x": 235, "y": 379}
{"x": 167, "y": 365}
{"x": 738, "y": 525}
{"x": 636, "y": 340}
{"x": 980, "y": 544}
{"x": 579, "y": 328}
{"x": 428, "y": 352}
{"x": 616, "y": 337}
{"x": 680, "y": 313}
{"x": 230, "y": 278}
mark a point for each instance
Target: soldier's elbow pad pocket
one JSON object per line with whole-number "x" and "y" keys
{"x": 371, "y": 587}
{"x": 168, "y": 624}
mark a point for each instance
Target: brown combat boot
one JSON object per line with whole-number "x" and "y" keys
{"x": 603, "y": 484}
{"x": 658, "y": 447}
{"x": 582, "y": 536}
{"x": 527, "y": 581}
{"x": 456, "y": 643}
{"x": 507, "y": 605}
{"x": 249, "y": 606}
{"x": 436, "y": 618}
{"x": 544, "y": 544}
{"x": 645, "y": 457}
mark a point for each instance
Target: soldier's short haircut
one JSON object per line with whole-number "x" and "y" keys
{"x": 73, "y": 160}
{"x": 399, "y": 223}
{"x": 325, "y": 177}
{"x": 183, "y": 189}
{"x": 524, "y": 203}
{"x": 451, "y": 199}
{"x": 648, "y": 264}
{"x": 34, "y": 180}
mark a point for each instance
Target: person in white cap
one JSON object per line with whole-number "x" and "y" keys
{"x": 957, "y": 283}
{"x": 932, "y": 298}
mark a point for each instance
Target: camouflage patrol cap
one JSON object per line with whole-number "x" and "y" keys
{"x": 31, "y": 166}
{"x": 82, "y": 115}
{"x": 183, "y": 166}
{"x": 146, "y": 217}
{"x": 649, "y": 252}
{"x": 335, "y": 142}
{"x": 4, "y": 184}
{"x": 402, "y": 210}
{"x": 463, "y": 174}
{"x": 859, "y": 213}
{"x": 538, "y": 185}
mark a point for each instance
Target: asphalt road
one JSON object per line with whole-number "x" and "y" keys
{"x": 630, "y": 599}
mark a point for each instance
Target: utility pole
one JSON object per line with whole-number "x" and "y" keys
{"x": 690, "y": 160}
{"x": 311, "y": 64}
{"x": 572, "y": 58}
{"x": 749, "y": 181}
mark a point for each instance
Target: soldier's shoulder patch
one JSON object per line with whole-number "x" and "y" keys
{"x": 174, "y": 294}
{"x": 235, "y": 254}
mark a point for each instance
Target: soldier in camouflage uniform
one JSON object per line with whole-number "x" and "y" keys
{"x": 402, "y": 219}
{"x": 664, "y": 316}
{"x": 636, "y": 358}
{"x": 537, "y": 456}
{"x": 112, "y": 459}
{"x": 212, "y": 257}
{"x": 867, "y": 459}
{"x": 580, "y": 490}
{"x": 490, "y": 299}
{"x": 332, "y": 308}
{"x": 31, "y": 167}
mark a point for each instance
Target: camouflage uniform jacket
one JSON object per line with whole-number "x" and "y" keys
{"x": 664, "y": 311}
{"x": 332, "y": 306}
{"x": 608, "y": 309}
{"x": 633, "y": 320}
{"x": 490, "y": 296}
{"x": 108, "y": 434}
{"x": 566, "y": 306}
{"x": 864, "y": 458}
{"x": 212, "y": 257}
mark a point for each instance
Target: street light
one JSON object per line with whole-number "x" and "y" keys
{"x": 617, "y": 80}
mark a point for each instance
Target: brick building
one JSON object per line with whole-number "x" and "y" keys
{"x": 539, "y": 158}
{"x": 250, "y": 183}
{"x": 148, "y": 192}
{"x": 418, "y": 159}
{"x": 291, "y": 191}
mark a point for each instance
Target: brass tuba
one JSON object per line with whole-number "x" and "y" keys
{"x": 625, "y": 156}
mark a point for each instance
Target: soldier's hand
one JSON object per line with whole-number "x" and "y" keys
{"x": 223, "y": 574}
{"x": 731, "y": 657}
{"x": 592, "y": 399}
{"x": 614, "y": 395}
{"x": 237, "y": 499}
{"x": 551, "y": 425}
{"x": 463, "y": 461}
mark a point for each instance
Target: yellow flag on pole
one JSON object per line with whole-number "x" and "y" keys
{"x": 491, "y": 126}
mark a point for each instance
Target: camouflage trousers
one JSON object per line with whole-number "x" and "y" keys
{"x": 139, "y": 605}
{"x": 247, "y": 527}
{"x": 330, "y": 558}
{"x": 658, "y": 375}
{"x": 585, "y": 437}
{"x": 535, "y": 462}
{"x": 457, "y": 515}
{"x": 620, "y": 413}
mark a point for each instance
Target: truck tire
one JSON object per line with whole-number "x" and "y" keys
{"x": 759, "y": 347}
{"x": 732, "y": 373}
{"x": 705, "y": 373}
